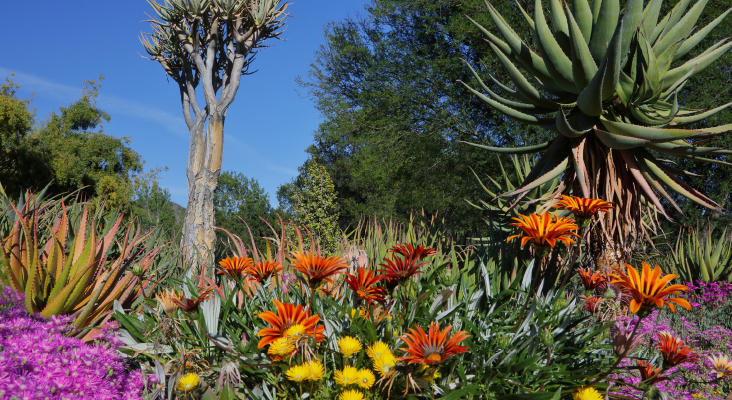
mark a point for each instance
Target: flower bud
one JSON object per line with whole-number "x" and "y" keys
{"x": 137, "y": 270}
{"x": 547, "y": 337}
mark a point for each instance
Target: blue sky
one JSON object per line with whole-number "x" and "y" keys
{"x": 267, "y": 128}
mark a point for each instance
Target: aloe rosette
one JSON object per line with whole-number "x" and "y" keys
{"x": 607, "y": 80}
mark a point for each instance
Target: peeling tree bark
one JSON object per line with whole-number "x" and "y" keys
{"x": 203, "y": 170}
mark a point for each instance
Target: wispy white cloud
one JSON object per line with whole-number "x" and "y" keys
{"x": 37, "y": 84}
{"x": 115, "y": 105}
{"x": 263, "y": 161}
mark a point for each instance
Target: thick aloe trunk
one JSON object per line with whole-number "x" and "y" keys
{"x": 204, "y": 168}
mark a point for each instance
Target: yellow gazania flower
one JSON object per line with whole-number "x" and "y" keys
{"x": 348, "y": 376}
{"x": 298, "y": 373}
{"x": 351, "y": 395}
{"x": 366, "y": 379}
{"x": 429, "y": 374}
{"x": 295, "y": 330}
{"x": 384, "y": 364}
{"x": 283, "y": 346}
{"x": 187, "y": 382}
{"x": 377, "y": 349}
{"x": 316, "y": 370}
{"x": 349, "y": 346}
{"x": 587, "y": 393}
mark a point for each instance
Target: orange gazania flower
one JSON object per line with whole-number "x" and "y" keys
{"x": 431, "y": 348}
{"x": 262, "y": 271}
{"x": 412, "y": 253}
{"x": 192, "y": 304}
{"x": 364, "y": 284}
{"x": 316, "y": 268}
{"x": 674, "y": 351}
{"x": 648, "y": 373}
{"x": 649, "y": 289}
{"x": 545, "y": 230}
{"x": 235, "y": 267}
{"x": 583, "y": 208}
{"x": 592, "y": 303}
{"x": 590, "y": 280}
{"x": 288, "y": 315}
{"x": 399, "y": 270}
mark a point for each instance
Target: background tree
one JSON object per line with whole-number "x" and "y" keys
{"x": 239, "y": 202}
{"x": 81, "y": 154}
{"x": 152, "y": 207}
{"x": 68, "y": 148}
{"x": 394, "y": 115}
{"x": 313, "y": 202}
{"x": 708, "y": 89}
{"x": 210, "y": 43}
{"x": 22, "y": 163}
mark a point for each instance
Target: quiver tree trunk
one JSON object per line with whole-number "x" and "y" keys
{"x": 210, "y": 44}
{"x": 204, "y": 167}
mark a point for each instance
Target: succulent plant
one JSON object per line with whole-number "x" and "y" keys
{"x": 607, "y": 80}
{"x": 697, "y": 257}
{"x": 65, "y": 267}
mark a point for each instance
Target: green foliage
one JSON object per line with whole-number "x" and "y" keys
{"x": 79, "y": 155}
{"x": 68, "y": 148}
{"x": 527, "y": 347}
{"x": 152, "y": 207}
{"x": 23, "y": 162}
{"x": 394, "y": 116}
{"x": 707, "y": 90}
{"x": 697, "y": 256}
{"x": 314, "y": 205}
{"x": 241, "y": 206}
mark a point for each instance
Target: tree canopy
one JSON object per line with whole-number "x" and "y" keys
{"x": 68, "y": 148}
{"x": 239, "y": 202}
{"x": 394, "y": 115}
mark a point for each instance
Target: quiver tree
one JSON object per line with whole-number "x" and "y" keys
{"x": 606, "y": 79}
{"x": 210, "y": 43}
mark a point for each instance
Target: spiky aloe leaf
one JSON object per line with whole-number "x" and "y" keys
{"x": 620, "y": 101}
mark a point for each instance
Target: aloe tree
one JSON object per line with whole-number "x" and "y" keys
{"x": 606, "y": 79}
{"x": 210, "y": 43}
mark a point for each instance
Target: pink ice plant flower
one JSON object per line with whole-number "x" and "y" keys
{"x": 37, "y": 360}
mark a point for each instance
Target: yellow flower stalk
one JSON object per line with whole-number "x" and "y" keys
{"x": 587, "y": 393}
{"x": 298, "y": 373}
{"x": 187, "y": 382}
{"x": 351, "y": 395}
{"x": 366, "y": 379}
{"x": 348, "y": 376}
{"x": 349, "y": 346}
